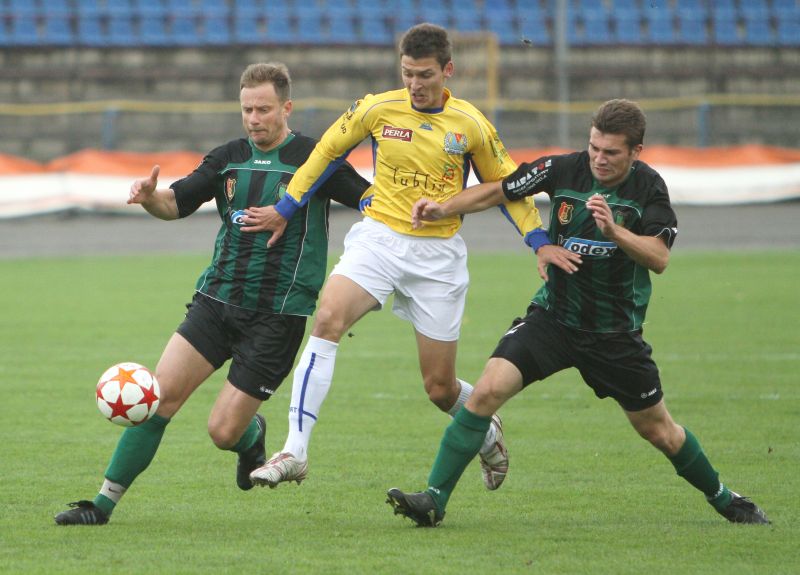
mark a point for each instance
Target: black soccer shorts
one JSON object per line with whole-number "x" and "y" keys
{"x": 616, "y": 365}
{"x": 263, "y": 346}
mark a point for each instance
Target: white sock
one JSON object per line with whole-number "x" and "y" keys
{"x": 466, "y": 391}
{"x": 312, "y": 380}
{"x": 114, "y": 491}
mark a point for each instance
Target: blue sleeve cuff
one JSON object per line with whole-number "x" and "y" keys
{"x": 537, "y": 238}
{"x": 286, "y": 207}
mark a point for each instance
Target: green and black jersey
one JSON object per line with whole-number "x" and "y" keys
{"x": 244, "y": 272}
{"x": 610, "y": 291}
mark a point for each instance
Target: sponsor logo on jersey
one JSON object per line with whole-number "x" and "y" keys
{"x": 649, "y": 393}
{"x": 265, "y": 162}
{"x": 565, "y": 212}
{"x": 449, "y": 172}
{"x": 348, "y": 115}
{"x": 532, "y": 178}
{"x": 230, "y": 188}
{"x": 426, "y": 126}
{"x": 590, "y": 248}
{"x": 237, "y": 217}
{"x": 455, "y": 143}
{"x": 515, "y": 328}
{"x": 402, "y": 134}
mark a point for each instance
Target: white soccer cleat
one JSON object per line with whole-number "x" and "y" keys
{"x": 494, "y": 465}
{"x": 281, "y": 467}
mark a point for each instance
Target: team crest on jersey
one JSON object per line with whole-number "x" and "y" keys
{"x": 565, "y": 211}
{"x": 280, "y": 191}
{"x": 619, "y": 218}
{"x": 402, "y": 134}
{"x": 455, "y": 143}
{"x": 230, "y": 188}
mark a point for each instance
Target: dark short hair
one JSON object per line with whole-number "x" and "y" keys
{"x": 274, "y": 73}
{"x": 621, "y": 117}
{"x": 427, "y": 40}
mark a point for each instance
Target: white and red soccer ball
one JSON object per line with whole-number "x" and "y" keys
{"x": 127, "y": 394}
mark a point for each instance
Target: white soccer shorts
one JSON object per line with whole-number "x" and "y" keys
{"x": 428, "y": 276}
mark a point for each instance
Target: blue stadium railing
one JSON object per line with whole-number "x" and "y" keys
{"x": 212, "y": 22}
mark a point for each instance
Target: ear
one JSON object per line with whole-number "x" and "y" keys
{"x": 287, "y": 108}
{"x": 449, "y": 69}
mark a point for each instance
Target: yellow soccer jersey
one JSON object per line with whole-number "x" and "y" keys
{"x": 415, "y": 154}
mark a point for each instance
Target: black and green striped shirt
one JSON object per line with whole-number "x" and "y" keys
{"x": 244, "y": 272}
{"x": 610, "y": 291}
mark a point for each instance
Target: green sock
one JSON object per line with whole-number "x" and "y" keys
{"x": 248, "y": 438}
{"x": 135, "y": 450}
{"x": 461, "y": 442}
{"x": 692, "y": 464}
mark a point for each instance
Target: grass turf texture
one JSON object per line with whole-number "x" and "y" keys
{"x": 584, "y": 494}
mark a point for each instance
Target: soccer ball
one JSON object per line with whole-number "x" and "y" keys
{"x": 127, "y": 394}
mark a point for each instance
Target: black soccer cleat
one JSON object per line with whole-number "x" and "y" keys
{"x": 82, "y": 513}
{"x": 419, "y": 507}
{"x": 253, "y": 458}
{"x": 742, "y": 510}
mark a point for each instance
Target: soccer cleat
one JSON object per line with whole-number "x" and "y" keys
{"x": 82, "y": 513}
{"x": 742, "y": 510}
{"x": 282, "y": 467}
{"x": 253, "y": 458}
{"x": 494, "y": 465}
{"x": 419, "y": 507}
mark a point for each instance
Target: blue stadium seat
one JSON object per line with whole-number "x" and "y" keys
{"x": 242, "y": 8}
{"x": 279, "y": 28}
{"x": 247, "y": 29}
{"x": 625, "y": 5}
{"x": 505, "y": 25}
{"x": 184, "y": 30}
{"x": 532, "y": 23}
{"x": 90, "y": 30}
{"x": 24, "y": 30}
{"x": 370, "y": 8}
{"x": 435, "y": 14}
{"x": 628, "y": 26}
{"x": 596, "y": 29}
{"x": 660, "y": 26}
{"x": 399, "y": 22}
{"x": 758, "y": 30}
{"x": 374, "y": 30}
{"x": 341, "y": 28}
{"x": 310, "y": 27}
{"x": 120, "y": 30}
{"x": 57, "y": 29}
{"x": 121, "y": 7}
{"x": 467, "y": 20}
{"x": 756, "y": 8}
{"x": 692, "y": 28}
{"x": 216, "y": 33}
{"x": 153, "y": 31}
{"x": 150, "y": 8}
{"x": 788, "y": 28}
{"x": 726, "y": 28}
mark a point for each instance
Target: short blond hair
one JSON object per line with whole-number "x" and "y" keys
{"x": 274, "y": 73}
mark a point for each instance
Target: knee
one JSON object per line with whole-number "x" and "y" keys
{"x": 222, "y": 436}
{"x": 442, "y": 391}
{"x": 666, "y": 438}
{"x": 328, "y": 324}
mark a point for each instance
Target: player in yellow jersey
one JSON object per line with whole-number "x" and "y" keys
{"x": 425, "y": 141}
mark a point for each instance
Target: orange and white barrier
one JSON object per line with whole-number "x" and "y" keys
{"x": 99, "y": 181}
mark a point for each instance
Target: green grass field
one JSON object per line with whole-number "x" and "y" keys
{"x": 584, "y": 494}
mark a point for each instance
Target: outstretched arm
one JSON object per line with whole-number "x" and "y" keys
{"x": 159, "y": 203}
